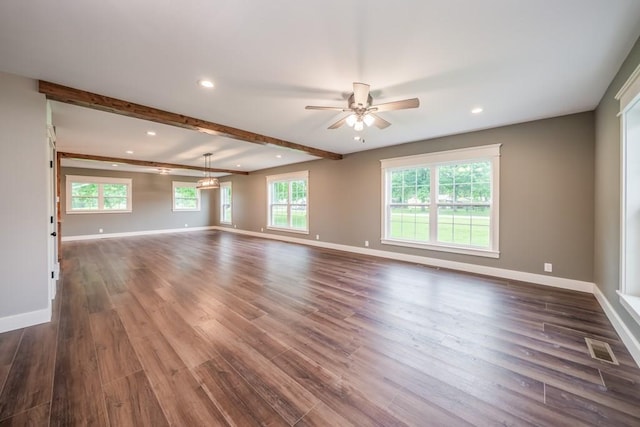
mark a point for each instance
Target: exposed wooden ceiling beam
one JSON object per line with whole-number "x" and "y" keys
{"x": 73, "y": 96}
{"x": 145, "y": 163}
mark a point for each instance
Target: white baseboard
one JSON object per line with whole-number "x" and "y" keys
{"x": 629, "y": 340}
{"x": 540, "y": 279}
{"x": 134, "y": 233}
{"x": 23, "y": 320}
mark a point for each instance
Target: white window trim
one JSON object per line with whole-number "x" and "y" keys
{"x": 224, "y": 185}
{"x": 486, "y": 152}
{"x": 629, "y": 286}
{"x": 292, "y": 176}
{"x": 97, "y": 180}
{"x": 175, "y": 184}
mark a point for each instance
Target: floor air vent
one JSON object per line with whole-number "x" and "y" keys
{"x": 601, "y": 351}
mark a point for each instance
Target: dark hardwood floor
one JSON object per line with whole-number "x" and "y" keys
{"x": 216, "y": 329}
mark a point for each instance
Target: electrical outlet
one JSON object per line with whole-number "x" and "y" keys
{"x": 317, "y": 237}
{"x": 262, "y": 229}
{"x": 366, "y": 243}
{"x": 235, "y": 226}
{"x": 100, "y": 230}
{"x": 548, "y": 267}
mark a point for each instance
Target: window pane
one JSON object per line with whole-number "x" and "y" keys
{"x": 423, "y": 183}
{"x": 226, "y": 213}
{"x": 410, "y": 223}
{"x": 280, "y": 192}
{"x": 409, "y": 195}
{"x": 299, "y": 192}
{"x": 410, "y": 186}
{"x": 481, "y": 172}
{"x": 445, "y": 224}
{"x": 396, "y": 187}
{"x": 480, "y": 226}
{"x": 186, "y": 192}
{"x": 462, "y": 193}
{"x": 113, "y": 190}
{"x": 84, "y": 203}
{"x": 481, "y": 182}
{"x": 464, "y": 225}
{"x": 462, "y": 173}
{"x": 115, "y": 203}
{"x": 279, "y": 216}
{"x": 299, "y": 217}
{"x": 446, "y": 175}
{"x": 225, "y": 203}
{"x": 481, "y": 192}
{"x": 84, "y": 189}
{"x": 409, "y": 178}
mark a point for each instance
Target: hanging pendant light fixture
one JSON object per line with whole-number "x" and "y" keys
{"x": 208, "y": 182}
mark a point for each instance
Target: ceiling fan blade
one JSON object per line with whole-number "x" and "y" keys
{"x": 314, "y": 107}
{"x": 360, "y": 94}
{"x": 397, "y": 105}
{"x": 339, "y": 123}
{"x": 380, "y": 122}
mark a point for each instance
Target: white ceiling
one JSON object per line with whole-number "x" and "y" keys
{"x": 518, "y": 60}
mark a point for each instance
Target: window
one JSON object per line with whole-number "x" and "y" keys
{"x": 629, "y": 97}
{"x": 186, "y": 197}
{"x": 225, "y": 202}
{"x": 445, "y": 201}
{"x": 287, "y": 200}
{"x": 97, "y": 194}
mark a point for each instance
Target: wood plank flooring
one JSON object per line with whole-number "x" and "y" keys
{"x": 216, "y": 329}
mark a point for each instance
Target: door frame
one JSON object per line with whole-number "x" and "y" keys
{"x": 54, "y": 198}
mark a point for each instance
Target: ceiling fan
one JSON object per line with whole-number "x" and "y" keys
{"x": 361, "y": 110}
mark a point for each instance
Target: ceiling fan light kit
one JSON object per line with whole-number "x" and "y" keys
{"x": 368, "y": 119}
{"x": 208, "y": 182}
{"x": 362, "y": 111}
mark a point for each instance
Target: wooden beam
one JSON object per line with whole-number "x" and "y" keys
{"x": 73, "y": 96}
{"x": 145, "y": 163}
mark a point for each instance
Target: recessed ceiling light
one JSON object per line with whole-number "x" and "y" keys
{"x": 279, "y": 156}
{"x": 357, "y": 138}
{"x": 477, "y": 110}
{"x": 206, "y": 84}
{"x": 151, "y": 133}
{"x": 115, "y": 165}
{"x": 129, "y": 152}
{"x": 238, "y": 166}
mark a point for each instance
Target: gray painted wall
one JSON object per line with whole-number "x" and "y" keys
{"x": 546, "y": 196}
{"x": 607, "y": 191}
{"x": 24, "y": 193}
{"x": 152, "y": 206}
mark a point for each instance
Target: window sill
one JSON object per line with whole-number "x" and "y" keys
{"x": 186, "y": 210}
{"x": 96, "y": 212}
{"x": 225, "y": 222}
{"x": 632, "y": 304}
{"x": 442, "y": 248}
{"x": 288, "y": 230}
